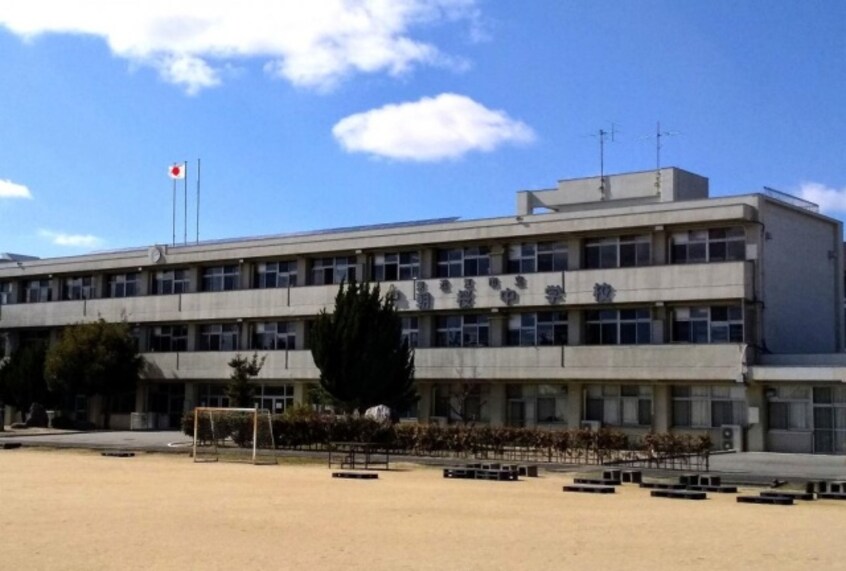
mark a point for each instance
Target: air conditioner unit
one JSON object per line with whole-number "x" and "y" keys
{"x": 731, "y": 437}
{"x": 142, "y": 421}
{"x": 592, "y": 425}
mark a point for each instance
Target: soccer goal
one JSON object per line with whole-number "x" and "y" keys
{"x": 234, "y": 434}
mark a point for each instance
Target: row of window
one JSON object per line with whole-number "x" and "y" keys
{"x": 696, "y": 246}
{"x": 609, "y": 404}
{"x": 604, "y": 327}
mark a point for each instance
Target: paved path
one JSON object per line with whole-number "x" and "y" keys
{"x": 746, "y": 467}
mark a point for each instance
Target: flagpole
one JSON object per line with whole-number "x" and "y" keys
{"x": 174, "y": 212}
{"x": 185, "y": 214}
{"x": 198, "y": 201}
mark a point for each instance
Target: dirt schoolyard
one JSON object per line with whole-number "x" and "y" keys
{"x": 80, "y": 510}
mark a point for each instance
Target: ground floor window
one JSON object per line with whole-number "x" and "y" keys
{"x": 213, "y": 395}
{"x": 531, "y": 405}
{"x": 708, "y": 406}
{"x": 461, "y": 402}
{"x": 275, "y": 398}
{"x": 789, "y": 408}
{"x": 619, "y": 405}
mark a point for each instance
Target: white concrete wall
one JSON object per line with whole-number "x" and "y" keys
{"x": 801, "y": 280}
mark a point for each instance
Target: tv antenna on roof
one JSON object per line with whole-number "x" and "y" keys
{"x": 659, "y": 134}
{"x": 602, "y": 135}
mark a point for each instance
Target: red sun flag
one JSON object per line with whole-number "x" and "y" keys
{"x": 176, "y": 171}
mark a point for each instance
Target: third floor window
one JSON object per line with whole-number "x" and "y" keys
{"x": 5, "y": 293}
{"x": 169, "y": 338}
{"x": 533, "y": 257}
{"x": 171, "y": 281}
{"x": 326, "y": 271}
{"x": 464, "y": 262}
{"x": 618, "y": 252}
{"x": 276, "y": 274}
{"x": 123, "y": 285}
{"x": 396, "y": 266}
{"x": 221, "y": 278}
{"x": 715, "y": 245}
{"x": 38, "y": 291}
{"x": 80, "y": 287}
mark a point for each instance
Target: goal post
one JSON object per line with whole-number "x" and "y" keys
{"x": 229, "y": 432}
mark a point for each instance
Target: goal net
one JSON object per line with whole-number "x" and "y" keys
{"x": 234, "y": 434}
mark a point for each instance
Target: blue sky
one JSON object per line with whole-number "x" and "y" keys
{"x": 341, "y": 113}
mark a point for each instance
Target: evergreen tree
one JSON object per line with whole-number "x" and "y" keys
{"x": 22, "y": 378}
{"x": 359, "y": 350}
{"x": 240, "y": 389}
{"x": 96, "y": 358}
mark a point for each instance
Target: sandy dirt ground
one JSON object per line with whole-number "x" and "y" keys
{"x": 80, "y": 510}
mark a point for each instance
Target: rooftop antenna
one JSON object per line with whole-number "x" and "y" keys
{"x": 659, "y": 134}
{"x": 602, "y": 135}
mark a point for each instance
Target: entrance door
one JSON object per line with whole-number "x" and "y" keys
{"x": 169, "y": 400}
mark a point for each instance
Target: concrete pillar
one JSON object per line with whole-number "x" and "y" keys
{"x": 575, "y": 401}
{"x": 424, "y": 405}
{"x": 574, "y": 254}
{"x": 661, "y": 408}
{"x": 189, "y": 401}
{"x": 659, "y": 246}
{"x": 193, "y": 341}
{"x": 195, "y": 279}
{"x": 498, "y": 259}
{"x": 426, "y": 331}
{"x": 300, "y": 393}
{"x": 299, "y": 335}
{"x": 575, "y": 327}
{"x": 362, "y": 266}
{"x": 303, "y": 267}
{"x": 144, "y": 284}
{"x": 245, "y": 275}
{"x": 141, "y": 397}
{"x": 496, "y": 404}
{"x": 756, "y": 433}
{"x": 660, "y": 330}
{"x": 427, "y": 263}
{"x": 497, "y": 329}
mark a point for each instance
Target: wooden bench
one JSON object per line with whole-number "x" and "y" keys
{"x": 663, "y": 485}
{"x": 589, "y": 489}
{"x": 596, "y": 481}
{"x": 831, "y": 496}
{"x": 497, "y": 475}
{"x": 460, "y": 472}
{"x": 720, "y": 489}
{"x": 776, "y": 501}
{"x": 795, "y": 494}
{"x": 355, "y": 475}
{"x": 679, "y": 494}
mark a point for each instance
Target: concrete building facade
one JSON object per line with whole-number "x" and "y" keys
{"x": 633, "y": 301}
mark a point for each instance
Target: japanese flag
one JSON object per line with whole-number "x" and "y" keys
{"x": 177, "y": 171}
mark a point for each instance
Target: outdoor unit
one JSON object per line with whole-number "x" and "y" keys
{"x": 592, "y": 425}
{"x": 731, "y": 437}
{"x": 142, "y": 421}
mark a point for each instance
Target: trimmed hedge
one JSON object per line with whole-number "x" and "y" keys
{"x": 310, "y": 431}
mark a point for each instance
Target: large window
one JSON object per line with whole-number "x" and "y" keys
{"x": 530, "y": 257}
{"x": 715, "y": 324}
{"x": 396, "y": 266}
{"x": 618, "y": 252}
{"x": 123, "y": 285}
{"x": 274, "y": 335}
{"x": 619, "y": 405}
{"x": 38, "y": 291}
{"x": 410, "y": 331}
{"x": 325, "y": 271}
{"x": 551, "y": 404}
{"x": 461, "y": 262}
{"x": 715, "y": 245}
{"x": 222, "y": 278}
{"x": 169, "y": 338}
{"x": 213, "y": 395}
{"x": 5, "y": 293}
{"x": 618, "y": 327}
{"x": 276, "y": 274}
{"x": 78, "y": 287}
{"x": 462, "y": 331}
{"x": 276, "y": 399}
{"x": 219, "y": 337}
{"x": 708, "y": 406}
{"x": 171, "y": 281}
{"x": 541, "y": 328}
{"x": 790, "y": 408}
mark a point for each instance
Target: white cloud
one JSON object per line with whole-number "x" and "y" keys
{"x": 432, "y": 129}
{"x": 71, "y": 240}
{"x": 9, "y": 189}
{"x": 311, "y": 44}
{"x": 829, "y": 199}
